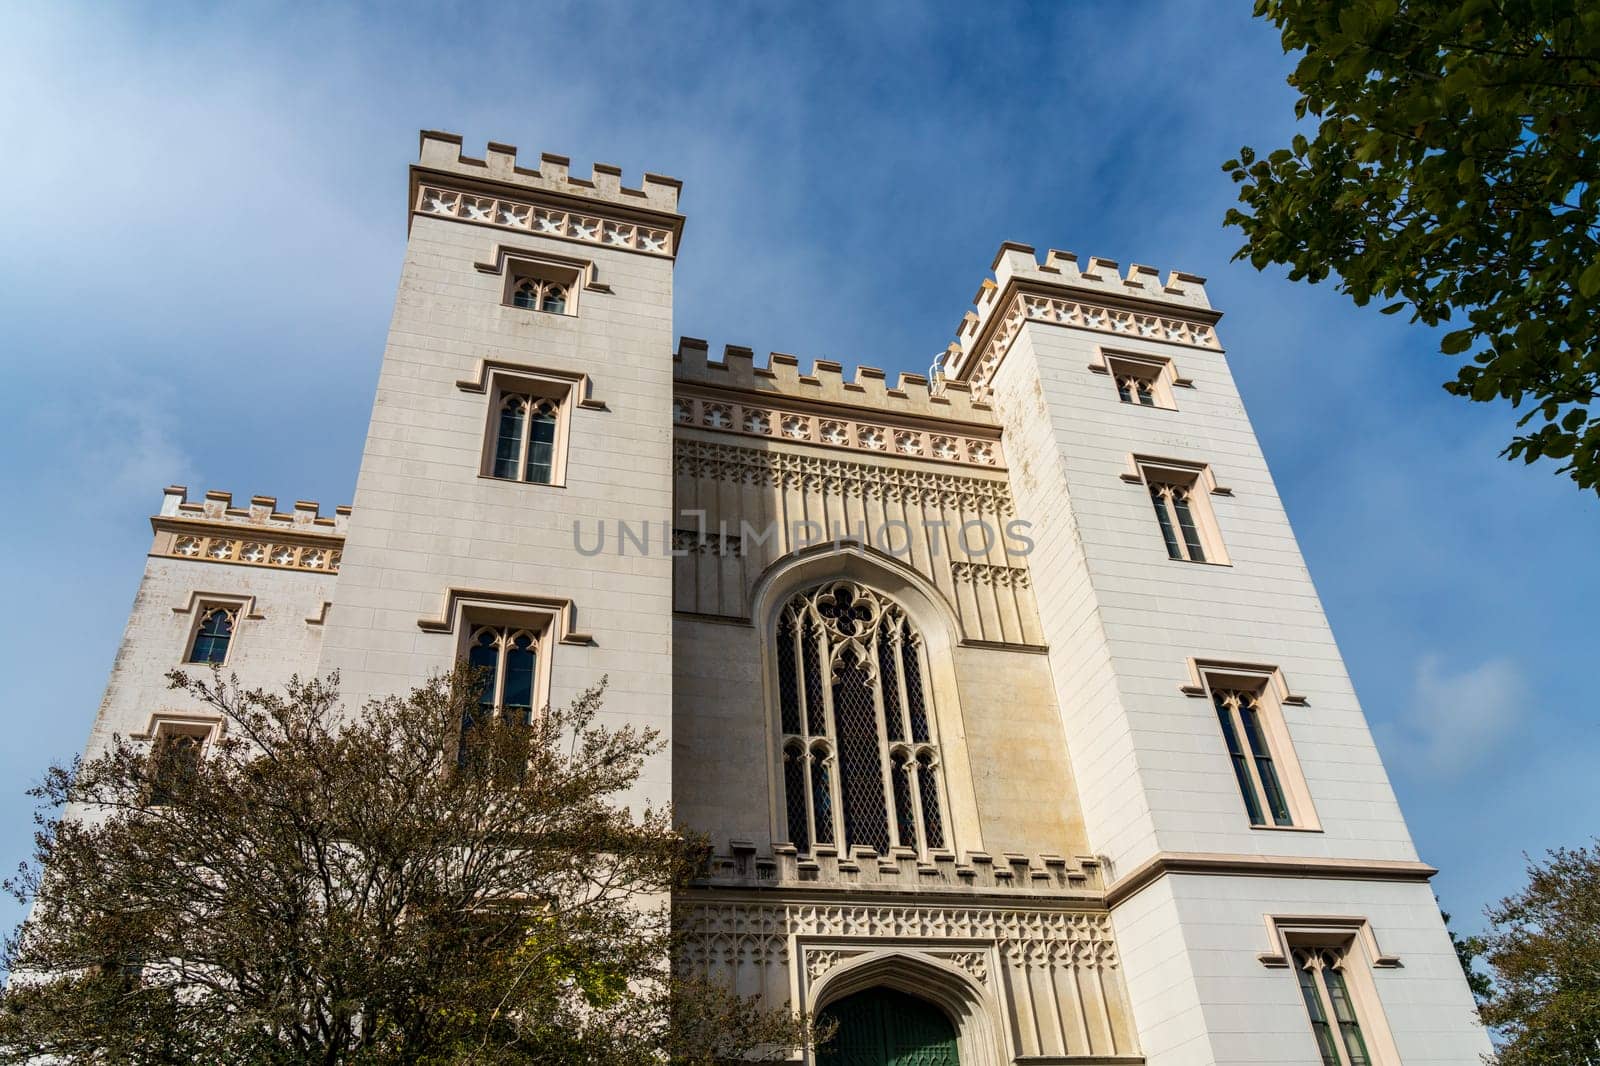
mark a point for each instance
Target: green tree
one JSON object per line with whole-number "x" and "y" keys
{"x": 1468, "y": 950}
{"x": 1453, "y": 171}
{"x": 1544, "y": 946}
{"x": 372, "y": 888}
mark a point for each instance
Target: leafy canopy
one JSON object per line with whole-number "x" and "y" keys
{"x": 1544, "y": 946}
{"x": 1453, "y": 171}
{"x": 360, "y": 889}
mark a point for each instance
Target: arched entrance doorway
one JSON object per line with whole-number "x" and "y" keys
{"x": 885, "y": 1027}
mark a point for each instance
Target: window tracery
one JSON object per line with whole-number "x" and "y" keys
{"x": 1176, "y": 517}
{"x": 213, "y": 635}
{"x": 1331, "y": 1008}
{"x": 860, "y": 761}
{"x": 508, "y": 659}
{"x": 525, "y": 438}
{"x": 1239, "y": 713}
{"x": 539, "y": 294}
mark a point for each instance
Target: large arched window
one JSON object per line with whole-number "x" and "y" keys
{"x": 860, "y": 755}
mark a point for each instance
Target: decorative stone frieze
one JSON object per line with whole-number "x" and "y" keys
{"x": 902, "y": 872}
{"x": 1098, "y": 297}
{"x": 721, "y": 933}
{"x": 763, "y": 504}
{"x": 839, "y": 477}
{"x": 1004, "y": 577}
{"x": 766, "y": 420}
{"x": 1050, "y": 975}
{"x": 1083, "y": 314}
{"x": 525, "y": 217}
{"x": 232, "y": 549}
{"x": 694, "y": 542}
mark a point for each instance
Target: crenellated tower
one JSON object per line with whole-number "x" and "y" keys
{"x": 523, "y": 392}
{"x": 1224, "y": 765}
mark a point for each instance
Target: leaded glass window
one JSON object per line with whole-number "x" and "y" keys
{"x": 506, "y": 660}
{"x": 539, "y": 294}
{"x": 212, "y": 636}
{"x": 851, "y": 672}
{"x": 1136, "y": 389}
{"x": 1244, "y": 734}
{"x": 1340, "y": 1041}
{"x": 554, "y": 298}
{"x": 525, "y": 438}
{"x": 1175, "y": 513}
{"x": 1141, "y": 382}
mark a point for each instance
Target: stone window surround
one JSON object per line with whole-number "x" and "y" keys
{"x": 208, "y": 727}
{"x": 1273, "y": 695}
{"x": 1143, "y": 469}
{"x": 1159, "y": 370}
{"x": 516, "y": 265}
{"x": 529, "y": 212}
{"x": 463, "y": 607}
{"x": 1353, "y": 935}
{"x": 498, "y": 379}
{"x": 549, "y": 618}
{"x": 935, "y": 621}
{"x": 200, "y": 604}
{"x": 584, "y": 274}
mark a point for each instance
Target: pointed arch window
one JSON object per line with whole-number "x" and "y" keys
{"x": 525, "y": 438}
{"x": 213, "y": 635}
{"x": 534, "y": 292}
{"x": 861, "y": 761}
{"x": 1179, "y": 493}
{"x": 1326, "y": 992}
{"x": 507, "y": 661}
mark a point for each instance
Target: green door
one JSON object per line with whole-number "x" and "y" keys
{"x": 882, "y": 1027}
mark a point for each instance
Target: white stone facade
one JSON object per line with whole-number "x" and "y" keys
{"x": 1063, "y": 857}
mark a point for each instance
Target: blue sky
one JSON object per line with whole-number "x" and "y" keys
{"x": 202, "y": 217}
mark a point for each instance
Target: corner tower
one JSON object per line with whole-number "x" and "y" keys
{"x": 526, "y": 389}
{"x": 1225, "y": 767}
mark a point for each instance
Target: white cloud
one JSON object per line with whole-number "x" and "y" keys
{"x": 1456, "y": 718}
{"x": 123, "y": 441}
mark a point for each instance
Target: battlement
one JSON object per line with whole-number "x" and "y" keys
{"x": 869, "y": 390}
{"x": 741, "y": 866}
{"x": 442, "y": 152}
{"x": 262, "y": 511}
{"x": 1095, "y": 296}
{"x": 1097, "y": 277}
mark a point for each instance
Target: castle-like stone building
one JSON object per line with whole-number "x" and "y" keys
{"x": 1005, "y": 696}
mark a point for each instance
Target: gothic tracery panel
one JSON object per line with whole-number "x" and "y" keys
{"x": 867, "y": 732}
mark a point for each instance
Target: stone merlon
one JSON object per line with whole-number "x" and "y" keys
{"x": 1101, "y": 282}
{"x": 218, "y": 506}
{"x": 870, "y": 389}
{"x": 442, "y": 152}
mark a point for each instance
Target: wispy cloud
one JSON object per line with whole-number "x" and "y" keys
{"x": 116, "y": 441}
{"x": 1457, "y": 717}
